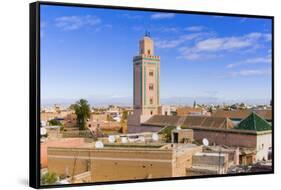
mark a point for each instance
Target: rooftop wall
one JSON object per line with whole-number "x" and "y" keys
{"x": 226, "y": 138}
{"x": 110, "y": 164}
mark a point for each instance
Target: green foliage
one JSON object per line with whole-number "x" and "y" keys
{"x": 124, "y": 115}
{"x": 55, "y": 122}
{"x": 82, "y": 111}
{"x": 167, "y": 132}
{"x": 49, "y": 178}
{"x": 123, "y": 122}
{"x": 62, "y": 129}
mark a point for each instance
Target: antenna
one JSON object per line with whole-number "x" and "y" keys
{"x": 43, "y": 131}
{"x": 205, "y": 142}
{"x": 99, "y": 144}
{"x": 155, "y": 137}
{"x": 111, "y": 139}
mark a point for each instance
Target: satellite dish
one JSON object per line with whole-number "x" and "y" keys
{"x": 205, "y": 142}
{"x": 111, "y": 139}
{"x": 124, "y": 140}
{"x": 99, "y": 144}
{"x": 155, "y": 137}
{"x": 178, "y": 127}
{"x": 43, "y": 131}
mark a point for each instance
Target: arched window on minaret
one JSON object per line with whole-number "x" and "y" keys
{"x": 151, "y": 100}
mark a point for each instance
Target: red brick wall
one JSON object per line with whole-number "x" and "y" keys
{"x": 226, "y": 138}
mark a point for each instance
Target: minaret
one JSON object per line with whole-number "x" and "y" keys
{"x": 146, "y": 80}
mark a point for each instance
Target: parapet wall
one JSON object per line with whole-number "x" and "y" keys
{"x": 111, "y": 164}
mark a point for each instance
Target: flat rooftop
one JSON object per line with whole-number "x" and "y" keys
{"x": 125, "y": 145}
{"x": 135, "y": 146}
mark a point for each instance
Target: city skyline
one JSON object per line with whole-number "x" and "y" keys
{"x": 87, "y": 53}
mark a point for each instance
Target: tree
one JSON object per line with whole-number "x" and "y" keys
{"x": 49, "y": 178}
{"x": 210, "y": 110}
{"x": 123, "y": 121}
{"x": 124, "y": 115}
{"x": 55, "y": 122}
{"x": 82, "y": 111}
{"x": 167, "y": 132}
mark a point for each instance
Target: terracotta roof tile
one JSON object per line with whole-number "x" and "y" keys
{"x": 190, "y": 121}
{"x": 242, "y": 114}
{"x": 184, "y": 111}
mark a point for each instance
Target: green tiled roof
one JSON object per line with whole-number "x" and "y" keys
{"x": 254, "y": 122}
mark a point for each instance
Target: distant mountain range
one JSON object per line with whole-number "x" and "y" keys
{"x": 127, "y": 101}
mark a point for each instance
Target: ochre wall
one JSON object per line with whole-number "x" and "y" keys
{"x": 121, "y": 164}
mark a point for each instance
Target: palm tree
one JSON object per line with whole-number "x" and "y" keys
{"x": 82, "y": 111}
{"x": 123, "y": 122}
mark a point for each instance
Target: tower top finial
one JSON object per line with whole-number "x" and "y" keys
{"x": 147, "y": 34}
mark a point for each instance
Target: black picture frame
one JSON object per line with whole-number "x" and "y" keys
{"x": 34, "y": 91}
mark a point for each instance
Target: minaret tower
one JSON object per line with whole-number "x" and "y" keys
{"x": 146, "y": 80}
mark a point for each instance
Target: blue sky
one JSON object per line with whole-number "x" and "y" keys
{"x": 87, "y": 53}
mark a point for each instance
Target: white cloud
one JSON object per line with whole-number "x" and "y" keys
{"x": 193, "y": 54}
{"x": 243, "y": 19}
{"x": 209, "y": 48}
{"x": 43, "y": 26}
{"x": 162, "y": 15}
{"x": 227, "y": 43}
{"x": 194, "y": 28}
{"x": 178, "y": 41}
{"x": 169, "y": 29}
{"x": 76, "y": 22}
{"x": 268, "y": 37}
{"x": 138, "y": 28}
{"x": 247, "y": 73}
{"x": 168, "y": 43}
{"x": 255, "y": 60}
{"x": 131, "y": 16}
{"x": 108, "y": 26}
{"x": 218, "y": 16}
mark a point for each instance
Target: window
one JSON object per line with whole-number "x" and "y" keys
{"x": 151, "y": 100}
{"x": 148, "y": 52}
{"x": 151, "y": 73}
{"x": 151, "y": 112}
{"x": 150, "y": 86}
